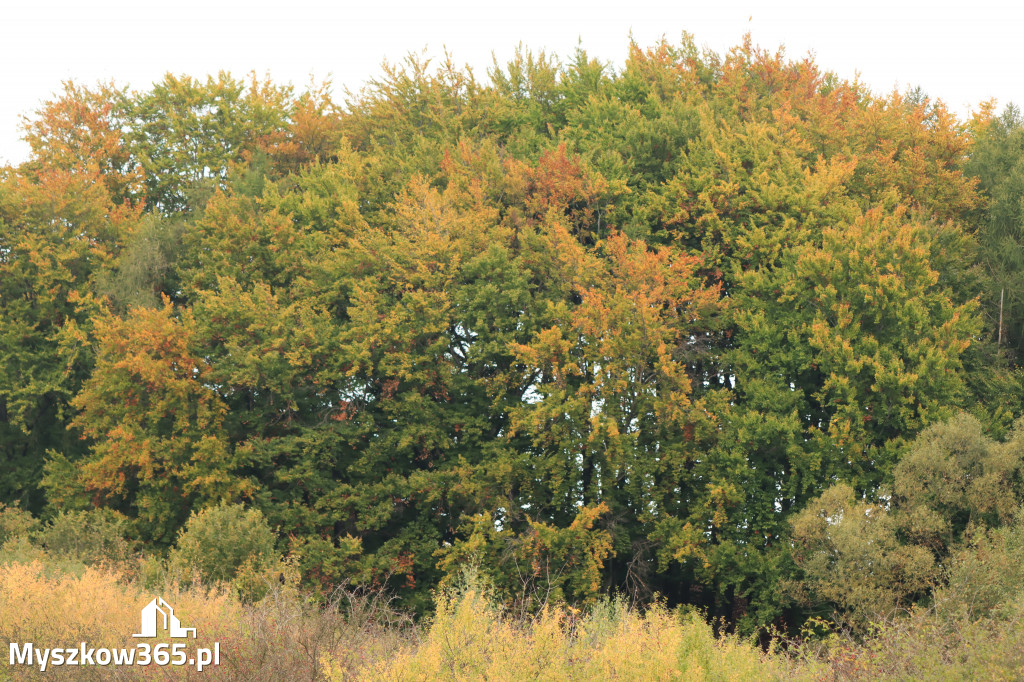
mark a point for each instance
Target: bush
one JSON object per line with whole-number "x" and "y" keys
{"x": 224, "y": 544}
{"x": 971, "y": 630}
{"x": 851, "y": 557}
{"x": 15, "y": 523}
{"x": 928, "y": 645}
{"x": 541, "y": 565}
{"x": 985, "y": 577}
{"x": 954, "y": 477}
{"x": 91, "y": 537}
{"x": 954, "y": 496}
{"x": 20, "y": 550}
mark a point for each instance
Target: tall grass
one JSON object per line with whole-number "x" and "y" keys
{"x": 469, "y": 639}
{"x": 356, "y": 635}
{"x": 285, "y": 636}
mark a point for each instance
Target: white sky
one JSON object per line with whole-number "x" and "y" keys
{"x": 960, "y": 52}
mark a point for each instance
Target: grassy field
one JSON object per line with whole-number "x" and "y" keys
{"x": 356, "y": 635}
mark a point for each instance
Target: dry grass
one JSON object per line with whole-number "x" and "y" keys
{"x": 356, "y": 635}
{"x": 470, "y": 640}
{"x": 285, "y": 636}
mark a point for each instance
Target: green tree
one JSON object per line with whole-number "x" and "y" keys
{"x": 997, "y": 162}
{"x": 59, "y": 234}
{"x": 185, "y": 133}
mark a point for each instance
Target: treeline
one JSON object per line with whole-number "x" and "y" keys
{"x": 672, "y": 330}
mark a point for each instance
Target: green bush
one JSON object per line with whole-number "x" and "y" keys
{"x": 950, "y": 516}
{"x": 97, "y": 536}
{"x": 985, "y": 577}
{"x": 954, "y": 477}
{"x": 20, "y": 550}
{"x": 221, "y": 543}
{"x": 15, "y": 523}
{"x": 851, "y": 557}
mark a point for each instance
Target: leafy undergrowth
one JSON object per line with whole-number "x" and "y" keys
{"x": 946, "y": 641}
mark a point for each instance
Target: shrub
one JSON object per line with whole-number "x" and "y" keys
{"x": 91, "y": 537}
{"x": 955, "y": 477}
{"x": 542, "y": 564}
{"x": 15, "y": 523}
{"x": 985, "y": 577}
{"x": 20, "y": 550}
{"x": 928, "y": 645}
{"x": 851, "y": 557}
{"x": 954, "y": 488}
{"x": 224, "y": 544}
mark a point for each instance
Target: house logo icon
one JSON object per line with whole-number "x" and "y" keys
{"x": 158, "y": 611}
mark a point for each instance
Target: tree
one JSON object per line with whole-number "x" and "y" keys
{"x": 159, "y": 443}
{"x": 625, "y": 323}
{"x": 185, "y": 134}
{"x": 59, "y": 234}
{"x": 997, "y": 162}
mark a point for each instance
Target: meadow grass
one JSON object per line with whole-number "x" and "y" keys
{"x": 284, "y": 636}
{"x": 469, "y": 639}
{"x": 356, "y": 635}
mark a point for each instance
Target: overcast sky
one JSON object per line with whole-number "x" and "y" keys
{"x": 960, "y": 52}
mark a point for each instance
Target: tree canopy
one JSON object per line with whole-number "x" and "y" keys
{"x": 641, "y": 330}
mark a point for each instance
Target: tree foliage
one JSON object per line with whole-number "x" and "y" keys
{"x": 596, "y": 330}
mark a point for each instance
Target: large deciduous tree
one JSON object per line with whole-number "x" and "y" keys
{"x": 597, "y": 330}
